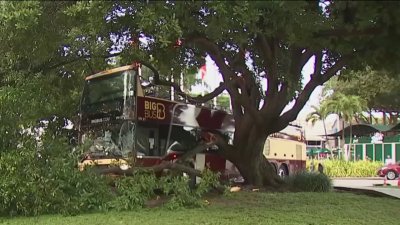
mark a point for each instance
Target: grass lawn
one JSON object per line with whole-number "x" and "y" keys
{"x": 248, "y": 208}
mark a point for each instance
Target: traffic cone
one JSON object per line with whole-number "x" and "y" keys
{"x": 398, "y": 182}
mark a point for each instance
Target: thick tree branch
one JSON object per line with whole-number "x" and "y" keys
{"x": 251, "y": 109}
{"x": 165, "y": 165}
{"x": 269, "y": 49}
{"x": 198, "y": 149}
{"x": 294, "y": 71}
{"x": 228, "y": 75}
{"x": 306, "y": 55}
{"x": 296, "y": 61}
{"x": 195, "y": 100}
{"x": 157, "y": 168}
{"x": 250, "y": 93}
{"x": 318, "y": 63}
{"x": 213, "y": 50}
{"x": 236, "y": 106}
{"x": 262, "y": 44}
{"x": 316, "y": 80}
{"x": 199, "y": 99}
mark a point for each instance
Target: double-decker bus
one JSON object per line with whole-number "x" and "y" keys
{"x": 124, "y": 121}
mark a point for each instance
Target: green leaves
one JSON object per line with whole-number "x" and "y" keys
{"x": 341, "y": 168}
{"x": 20, "y": 15}
{"x": 346, "y": 106}
{"x": 23, "y": 104}
{"x": 40, "y": 180}
{"x": 310, "y": 182}
{"x": 378, "y": 88}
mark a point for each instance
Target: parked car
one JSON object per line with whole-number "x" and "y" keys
{"x": 391, "y": 171}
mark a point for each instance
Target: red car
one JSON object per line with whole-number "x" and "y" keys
{"x": 391, "y": 171}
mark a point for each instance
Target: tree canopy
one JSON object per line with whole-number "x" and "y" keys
{"x": 379, "y": 88}
{"x": 252, "y": 43}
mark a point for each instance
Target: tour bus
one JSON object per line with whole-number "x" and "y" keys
{"x": 121, "y": 112}
{"x": 286, "y": 151}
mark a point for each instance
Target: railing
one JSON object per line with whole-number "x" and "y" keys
{"x": 374, "y": 151}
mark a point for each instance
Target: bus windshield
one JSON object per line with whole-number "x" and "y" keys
{"x": 109, "y": 87}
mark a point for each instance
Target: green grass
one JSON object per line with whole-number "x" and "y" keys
{"x": 248, "y": 208}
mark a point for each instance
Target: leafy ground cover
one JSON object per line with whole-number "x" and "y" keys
{"x": 247, "y": 208}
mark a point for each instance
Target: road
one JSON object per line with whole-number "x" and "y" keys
{"x": 361, "y": 182}
{"x": 369, "y": 184}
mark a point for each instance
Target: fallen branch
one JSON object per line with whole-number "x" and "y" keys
{"x": 157, "y": 168}
{"x": 177, "y": 165}
{"x": 198, "y": 149}
{"x": 168, "y": 165}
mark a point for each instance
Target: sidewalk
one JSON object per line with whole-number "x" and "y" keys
{"x": 367, "y": 185}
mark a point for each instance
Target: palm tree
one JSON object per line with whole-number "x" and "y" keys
{"x": 318, "y": 114}
{"x": 347, "y": 107}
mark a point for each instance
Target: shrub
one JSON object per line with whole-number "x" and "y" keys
{"x": 40, "y": 180}
{"x": 341, "y": 168}
{"x": 309, "y": 182}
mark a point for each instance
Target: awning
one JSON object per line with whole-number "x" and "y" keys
{"x": 315, "y": 151}
{"x": 366, "y": 129}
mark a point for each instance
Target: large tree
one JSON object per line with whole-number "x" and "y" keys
{"x": 250, "y": 42}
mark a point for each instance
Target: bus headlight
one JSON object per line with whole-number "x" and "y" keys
{"x": 124, "y": 166}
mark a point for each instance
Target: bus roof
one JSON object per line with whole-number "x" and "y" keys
{"x": 110, "y": 71}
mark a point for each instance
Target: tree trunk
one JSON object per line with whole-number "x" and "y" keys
{"x": 370, "y": 116}
{"x": 343, "y": 142}
{"x": 350, "y": 141}
{"x": 326, "y": 135}
{"x": 384, "y": 117}
{"x": 258, "y": 171}
{"x": 252, "y": 164}
{"x": 393, "y": 117}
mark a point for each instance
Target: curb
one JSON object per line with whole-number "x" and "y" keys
{"x": 357, "y": 178}
{"x": 369, "y": 192}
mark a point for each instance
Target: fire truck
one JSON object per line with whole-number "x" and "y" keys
{"x": 125, "y": 121}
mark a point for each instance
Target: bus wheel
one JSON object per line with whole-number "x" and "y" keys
{"x": 275, "y": 167}
{"x": 283, "y": 171}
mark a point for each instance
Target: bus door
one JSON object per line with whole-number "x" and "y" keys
{"x": 147, "y": 142}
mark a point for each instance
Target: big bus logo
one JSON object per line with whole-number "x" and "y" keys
{"x": 154, "y": 110}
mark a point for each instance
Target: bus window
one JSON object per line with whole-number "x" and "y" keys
{"x": 146, "y": 80}
{"x": 299, "y": 151}
{"x": 267, "y": 147}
